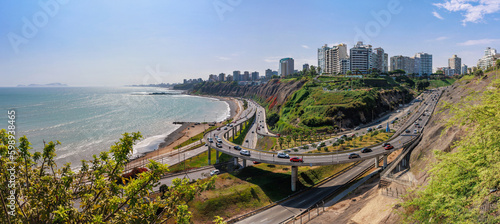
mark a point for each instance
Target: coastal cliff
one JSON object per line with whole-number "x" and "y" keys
{"x": 299, "y": 103}
{"x": 276, "y": 89}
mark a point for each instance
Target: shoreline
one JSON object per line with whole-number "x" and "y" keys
{"x": 186, "y": 131}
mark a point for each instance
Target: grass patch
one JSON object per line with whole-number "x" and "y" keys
{"x": 266, "y": 143}
{"x": 252, "y": 188}
{"x": 240, "y": 137}
{"x": 195, "y": 138}
{"x": 200, "y": 160}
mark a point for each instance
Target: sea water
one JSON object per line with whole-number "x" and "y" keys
{"x": 88, "y": 120}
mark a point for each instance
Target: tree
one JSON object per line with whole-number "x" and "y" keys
{"x": 46, "y": 194}
{"x": 349, "y": 72}
{"x": 478, "y": 72}
{"x": 288, "y": 140}
{"x": 280, "y": 141}
{"x": 498, "y": 63}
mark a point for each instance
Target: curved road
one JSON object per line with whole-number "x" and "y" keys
{"x": 320, "y": 159}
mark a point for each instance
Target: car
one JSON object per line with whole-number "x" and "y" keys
{"x": 357, "y": 128}
{"x": 396, "y": 118}
{"x": 407, "y": 131}
{"x": 398, "y": 111}
{"x": 255, "y": 162}
{"x": 219, "y": 140}
{"x": 379, "y": 126}
{"x": 253, "y": 132}
{"x": 343, "y": 136}
{"x": 283, "y": 155}
{"x": 218, "y": 145}
{"x": 230, "y": 125}
{"x": 218, "y": 129}
{"x": 416, "y": 124}
{"x": 214, "y": 172}
{"x": 245, "y": 152}
{"x": 246, "y": 140}
{"x": 210, "y": 140}
{"x": 237, "y": 147}
{"x": 296, "y": 159}
{"x": 354, "y": 155}
{"x": 366, "y": 150}
{"x": 206, "y": 144}
{"x": 386, "y": 144}
{"x": 388, "y": 147}
{"x": 225, "y": 128}
{"x": 369, "y": 129}
{"x": 392, "y": 122}
{"x": 415, "y": 131}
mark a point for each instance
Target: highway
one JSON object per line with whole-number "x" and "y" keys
{"x": 299, "y": 203}
{"x": 319, "y": 159}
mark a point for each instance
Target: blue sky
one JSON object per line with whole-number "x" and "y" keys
{"x": 113, "y": 43}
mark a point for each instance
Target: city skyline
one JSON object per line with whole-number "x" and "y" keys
{"x": 109, "y": 44}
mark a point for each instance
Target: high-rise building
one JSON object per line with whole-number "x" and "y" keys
{"x": 464, "y": 69}
{"x": 275, "y": 73}
{"x": 269, "y": 73}
{"x": 246, "y": 76}
{"x": 404, "y": 63}
{"x": 489, "y": 58}
{"x": 360, "y": 58}
{"x": 286, "y": 66}
{"x": 213, "y": 78}
{"x": 423, "y": 63}
{"x": 379, "y": 61}
{"x": 255, "y": 76}
{"x": 332, "y": 57}
{"x": 455, "y": 63}
{"x": 345, "y": 65}
{"x": 237, "y": 76}
{"x": 322, "y": 58}
{"x": 385, "y": 66}
{"x": 305, "y": 67}
{"x": 229, "y": 78}
{"x": 222, "y": 77}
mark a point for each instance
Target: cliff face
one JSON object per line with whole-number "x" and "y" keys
{"x": 274, "y": 89}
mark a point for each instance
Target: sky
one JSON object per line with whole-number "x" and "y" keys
{"x": 115, "y": 43}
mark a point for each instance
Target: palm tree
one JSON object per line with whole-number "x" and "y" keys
{"x": 288, "y": 140}
{"x": 280, "y": 141}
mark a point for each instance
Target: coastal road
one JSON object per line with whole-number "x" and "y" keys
{"x": 303, "y": 201}
{"x": 299, "y": 203}
{"x": 318, "y": 159}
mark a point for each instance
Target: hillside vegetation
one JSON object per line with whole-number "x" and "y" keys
{"x": 464, "y": 181}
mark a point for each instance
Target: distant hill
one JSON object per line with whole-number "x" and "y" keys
{"x": 56, "y": 84}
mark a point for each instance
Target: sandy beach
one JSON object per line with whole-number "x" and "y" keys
{"x": 188, "y": 130}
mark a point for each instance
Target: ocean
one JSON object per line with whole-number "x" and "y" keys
{"x": 88, "y": 120}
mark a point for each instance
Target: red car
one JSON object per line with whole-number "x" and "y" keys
{"x": 388, "y": 147}
{"x": 296, "y": 159}
{"x": 255, "y": 162}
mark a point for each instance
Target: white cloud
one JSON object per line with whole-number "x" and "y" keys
{"x": 273, "y": 59}
{"x": 442, "y": 38}
{"x": 479, "y": 42}
{"x": 475, "y": 10}
{"x": 437, "y": 15}
{"x": 223, "y": 58}
{"x": 305, "y": 46}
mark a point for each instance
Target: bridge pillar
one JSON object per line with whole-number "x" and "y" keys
{"x": 244, "y": 163}
{"x": 233, "y": 132}
{"x": 216, "y": 157}
{"x": 235, "y": 161}
{"x": 295, "y": 170}
{"x": 376, "y": 162}
{"x": 385, "y": 161}
{"x": 209, "y": 156}
{"x": 241, "y": 127}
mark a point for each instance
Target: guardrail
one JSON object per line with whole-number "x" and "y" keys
{"x": 246, "y": 215}
{"x": 306, "y": 214}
